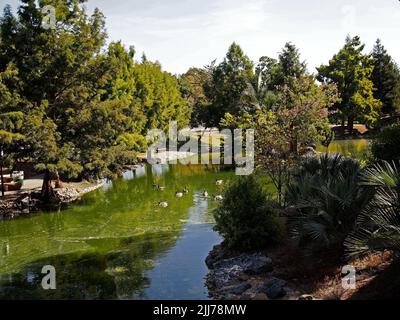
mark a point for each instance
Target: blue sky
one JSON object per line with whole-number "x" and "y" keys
{"x": 185, "y": 33}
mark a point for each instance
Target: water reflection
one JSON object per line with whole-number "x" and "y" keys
{"x": 116, "y": 243}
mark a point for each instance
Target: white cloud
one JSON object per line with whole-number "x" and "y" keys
{"x": 185, "y": 33}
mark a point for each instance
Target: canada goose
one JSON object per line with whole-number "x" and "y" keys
{"x": 158, "y": 187}
{"x": 186, "y": 190}
{"x": 179, "y": 194}
{"x": 219, "y": 182}
{"x": 218, "y": 198}
{"x": 163, "y": 204}
{"x": 205, "y": 194}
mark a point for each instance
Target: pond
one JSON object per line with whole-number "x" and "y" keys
{"x": 117, "y": 243}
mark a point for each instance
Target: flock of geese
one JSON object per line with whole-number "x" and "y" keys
{"x": 180, "y": 194}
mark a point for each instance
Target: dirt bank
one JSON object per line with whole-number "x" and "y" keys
{"x": 27, "y": 200}
{"x": 284, "y": 273}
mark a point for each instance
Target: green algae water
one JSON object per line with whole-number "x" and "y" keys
{"x": 117, "y": 242}
{"x": 355, "y": 148}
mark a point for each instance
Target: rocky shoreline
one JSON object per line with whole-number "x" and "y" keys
{"x": 246, "y": 276}
{"x": 29, "y": 202}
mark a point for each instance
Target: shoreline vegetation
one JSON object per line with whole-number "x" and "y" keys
{"x": 28, "y": 201}
{"x": 79, "y": 111}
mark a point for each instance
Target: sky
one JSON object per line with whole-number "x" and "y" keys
{"x": 191, "y": 33}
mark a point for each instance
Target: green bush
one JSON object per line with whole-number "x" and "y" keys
{"x": 327, "y": 197}
{"x": 247, "y": 218}
{"x": 386, "y": 146}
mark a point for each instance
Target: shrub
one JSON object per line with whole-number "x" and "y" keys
{"x": 379, "y": 224}
{"x": 386, "y": 145}
{"x": 247, "y": 218}
{"x": 327, "y": 199}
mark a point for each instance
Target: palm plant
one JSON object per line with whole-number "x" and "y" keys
{"x": 378, "y": 227}
{"x": 327, "y": 197}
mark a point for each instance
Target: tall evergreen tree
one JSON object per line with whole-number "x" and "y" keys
{"x": 62, "y": 76}
{"x": 290, "y": 65}
{"x": 228, "y": 82}
{"x": 158, "y": 97}
{"x": 10, "y": 116}
{"x": 386, "y": 79}
{"x": 351, "y": 71}
{"x": 192, "y": 85}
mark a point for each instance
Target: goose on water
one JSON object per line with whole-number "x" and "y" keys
{"x": 163, "y": 204}
{"x": 179, "y": 194}
{"x": 205, "y": 194}
{"x": 158, "y": 187}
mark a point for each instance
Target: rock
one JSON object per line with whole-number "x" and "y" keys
{"x": 235, "y": 276}
{"x": 273, "y": 288}
{"x": 306, "y": 297}
{"x": 246, "y": 297}
{"x": 261, "y": 296}
{"x": 251, "y": 264}
{"x": 223, "y": 277}
{"x": 216, "y": 254}
{"x": 244, "y": 277}
{"x": 236, "y": 289}
{"x": 24, "y": 204}
{"x": 310, "y": 151}
{"x": 25, "y": 201}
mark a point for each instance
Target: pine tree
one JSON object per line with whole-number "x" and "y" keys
{"x": 10, "y": 117}
{"x": 351, "y": 71}
{"x": 228, "y": 82}
{"x": 290, "y": 65}
{"x": 386, "y": 79}
{"x": 59, "y": 74}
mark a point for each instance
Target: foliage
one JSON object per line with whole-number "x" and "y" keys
{"x": 10, "y": 114}
{"x": 158, "y": 97}
{"x": 228, "y": 81}
{"x": 386, "y": 79}
{"x": 247, "y": 218}
{"x": 85, "y": 111}
{"x": 378, "y": 227}
{"x": 192, "y": 85}
{"x": 385, "y": 146}
{"x": 290, "y": 66}
{"x": 300, "y": 119}
{"x": 327, "y": 197}
{"x": 351, "y": 71}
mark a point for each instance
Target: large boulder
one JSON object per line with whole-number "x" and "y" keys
{"x": 273, "y": 288}
{"x": 219, "y": 278}
{"x": 252, "y": 264}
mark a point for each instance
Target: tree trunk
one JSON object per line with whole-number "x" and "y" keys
{"x": 280, "y": 189}
{"x": 58, "y": 184}
{"x": 47, "y": 189}
{"x": 350, "y": 125}
{"x": 293, "y": 147}
{"x": 343, "y": 127}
